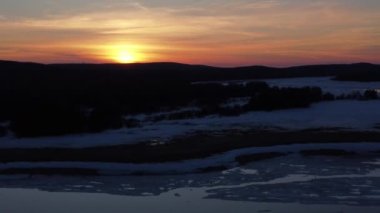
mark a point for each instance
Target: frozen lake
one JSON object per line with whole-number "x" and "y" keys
{"x": 292, "y": 183}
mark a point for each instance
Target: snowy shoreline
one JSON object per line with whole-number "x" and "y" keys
{"x": 353, "y": 115}
{"x": 223, "y": 160}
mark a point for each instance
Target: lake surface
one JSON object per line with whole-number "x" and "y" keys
{"x": 292, "y": 183}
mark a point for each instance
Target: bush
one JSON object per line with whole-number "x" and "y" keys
{"x": 47, "y": 120}
{"x": 284, "y": 98}
{"x": 328, "y": 97}
{"x": 132, "y": 123}
{"x": 103, "y": 118}
{"x": 3, "y": 131}
{"x": 370, "y": 95}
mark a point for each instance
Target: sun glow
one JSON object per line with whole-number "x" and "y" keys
{"x": 124, "y": 54}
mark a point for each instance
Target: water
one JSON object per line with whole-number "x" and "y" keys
{"x": 287, "y": 184}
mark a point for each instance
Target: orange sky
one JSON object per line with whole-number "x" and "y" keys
{"x": 222, "y": 33}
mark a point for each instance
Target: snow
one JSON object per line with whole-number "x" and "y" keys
{"x": 326, "y": 84}
{"x": 358, "y": 115}
{"x": 151, "y": 116}
{"x": 236, "y": 102}
{"x": 321, "y": 184}
{"x": 241, "y": 171}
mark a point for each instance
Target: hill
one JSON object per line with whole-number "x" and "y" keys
{"x": 177, "y": 71}
{"x": 58, "y": 99}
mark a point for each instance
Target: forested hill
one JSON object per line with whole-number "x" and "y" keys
{"x": 58, "y": 99}
{"x": 180, "y": 72}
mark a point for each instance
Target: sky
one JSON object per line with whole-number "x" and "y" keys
{"x": 212, "y": 32}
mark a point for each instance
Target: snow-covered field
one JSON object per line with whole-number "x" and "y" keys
{"x": 358, "y": 115}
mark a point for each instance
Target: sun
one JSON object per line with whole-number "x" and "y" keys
{"x": 125, "y": 56}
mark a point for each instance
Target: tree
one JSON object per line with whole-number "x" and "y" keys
{"x": 370, "y": 94}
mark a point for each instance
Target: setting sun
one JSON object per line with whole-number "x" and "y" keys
{"x": 125, "y": 56}
{"x": 123, "y": 53}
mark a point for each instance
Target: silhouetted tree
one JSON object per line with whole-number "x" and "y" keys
{"x": 370, "y": 95}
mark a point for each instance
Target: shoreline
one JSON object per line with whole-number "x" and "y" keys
{"x": 215, "y": 163}
{"x": 203, "y": 152}
{"x": 195, "y": 146}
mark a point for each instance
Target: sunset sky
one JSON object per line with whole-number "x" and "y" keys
{"x": 213, "y": 32}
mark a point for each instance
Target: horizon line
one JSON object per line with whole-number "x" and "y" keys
{"x": 189, "y": 64}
